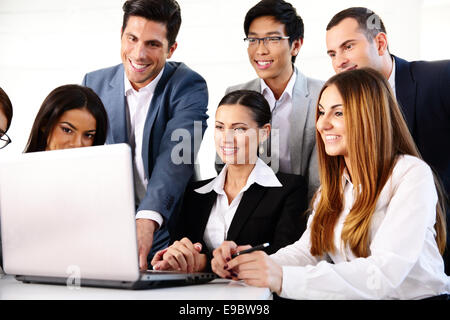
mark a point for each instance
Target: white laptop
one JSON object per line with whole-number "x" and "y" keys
{"x": 68, "y": 217}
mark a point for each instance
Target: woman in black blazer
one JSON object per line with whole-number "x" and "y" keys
{"x": 246, "y": 203}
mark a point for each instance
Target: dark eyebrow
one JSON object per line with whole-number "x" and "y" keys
{"x": 346, "y": 42}
{"x": 154, "y": 41}
{"x": 332, "y": 107}
{"x": 69, "y": 124}
{"x": 342, "y": 45}
{"x": 147, "y": 41}
{"x": 130, "y": 34}
{"x": 271, "y": 33}
{"x": 234, "y": 124}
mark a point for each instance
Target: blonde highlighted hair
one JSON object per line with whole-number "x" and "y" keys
{"x": 376, "y": 135}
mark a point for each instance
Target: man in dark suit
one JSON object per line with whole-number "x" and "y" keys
{"x": 356, "y": 38}
{"x": 152, "y": 104}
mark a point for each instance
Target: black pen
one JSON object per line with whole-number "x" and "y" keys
{"x": 255, "y": 248}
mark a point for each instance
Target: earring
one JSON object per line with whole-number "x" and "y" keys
{"x": 261, "y": 149}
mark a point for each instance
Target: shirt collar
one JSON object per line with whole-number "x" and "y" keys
{"x": 261, "y": 174}
{"x": 391, "y": 79}
{"x": 149, "y": 88}
{"x": 287, "y": 91}
{"x": 346, "y": 178}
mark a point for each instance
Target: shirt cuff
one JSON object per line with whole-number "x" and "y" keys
{"x": 151, "y": 215}
{"x": 294, "y": 283}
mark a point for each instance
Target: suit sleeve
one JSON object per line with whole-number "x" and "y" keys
{"x": 174, "y": 164}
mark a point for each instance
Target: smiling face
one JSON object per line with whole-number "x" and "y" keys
{"x": 144, "y": 50}
{"x": 331, "y": 123}
{"x": 236, "y": 134}
{"x": 349, "y": 49}
{"x": 271, "y": 63}
{"x": 75, "y": 128}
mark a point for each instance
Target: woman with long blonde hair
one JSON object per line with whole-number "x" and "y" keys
{"x": 377, "y": 229}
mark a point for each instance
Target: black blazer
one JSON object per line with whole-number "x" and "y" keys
{"x": 265, "y": 214}
{"x": 423, "y": 92}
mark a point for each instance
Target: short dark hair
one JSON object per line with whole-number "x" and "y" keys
{"x": 368, "y": 21}
{"x": 6, "y": 107}
{"x": 282, "y": 12}
{"x": 252, "y": 100}
{"x": 60, "y": 100}
{"x": 165, "y": 11}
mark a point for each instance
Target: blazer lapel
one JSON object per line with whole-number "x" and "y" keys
{"x": 116, "y": 107}
{"x": 206, "y": 202}
{"x": 300, "y": 112}
{"x": 247, "y": 206}
{"x": 405, "y": 88}
{"x": 155, "y": 106}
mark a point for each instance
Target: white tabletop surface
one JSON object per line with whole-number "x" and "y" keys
{"x": 219, "y": 289}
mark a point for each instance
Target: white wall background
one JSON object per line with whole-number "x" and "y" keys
{"x": 48, "y": 43}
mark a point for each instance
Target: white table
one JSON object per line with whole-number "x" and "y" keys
{"x": 219, "y": 289}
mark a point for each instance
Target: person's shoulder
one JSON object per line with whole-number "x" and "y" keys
{"x": 179, "y": 71}
{"x": 198, "y": 184}
{"x": 104, "y": 72}
{"x": 420, "y": 68}
{"x": 291, "y": 180}
{"x": 99, "y": 78}
{"x": 312, "y": 84}
{"x": 410, "y": 165}
{"x": 423, "y": 64}
{"x": 254, "y": 85}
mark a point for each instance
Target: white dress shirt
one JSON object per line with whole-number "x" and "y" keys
{"x": 391, "y": 79}
{"x": 404, "y": 261}
{"x": 281, "y": 111}
{"x": 138, "y": 105}
{"x": 222, "y": 213}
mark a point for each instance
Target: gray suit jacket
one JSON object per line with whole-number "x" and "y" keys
{"x": 302, "y": 138}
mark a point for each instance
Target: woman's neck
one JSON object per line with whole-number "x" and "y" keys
{"x": 236, "y": 179}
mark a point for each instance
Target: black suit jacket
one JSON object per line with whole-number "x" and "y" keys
{"x": 423, "y": 92}
{"x": 275, "y": 215}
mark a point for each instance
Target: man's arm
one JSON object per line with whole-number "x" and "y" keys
{"x": 174, "y": 163}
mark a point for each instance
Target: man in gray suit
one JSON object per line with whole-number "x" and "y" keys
{"x": 274, "y": 33}
{"x": 152, "y": 104}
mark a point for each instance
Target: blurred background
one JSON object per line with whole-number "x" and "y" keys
{"x": 48, "y": 43}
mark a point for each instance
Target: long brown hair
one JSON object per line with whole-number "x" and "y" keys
{"x": 60, "y": 100}
{"x": 376, "y": 135}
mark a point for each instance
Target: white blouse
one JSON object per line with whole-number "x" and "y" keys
{"x": 222, "y": 213}
{"x": 404, "y": 261}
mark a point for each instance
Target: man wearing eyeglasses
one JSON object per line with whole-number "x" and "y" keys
{"x": 6, "y": 113}
{"x": 274, "y": 34}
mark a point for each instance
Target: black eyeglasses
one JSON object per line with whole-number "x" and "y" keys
{"x": 267, "y": 41}
{"x": 4, "y": 140}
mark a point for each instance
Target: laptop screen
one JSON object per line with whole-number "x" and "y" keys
{"x": 69, "y": 211}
